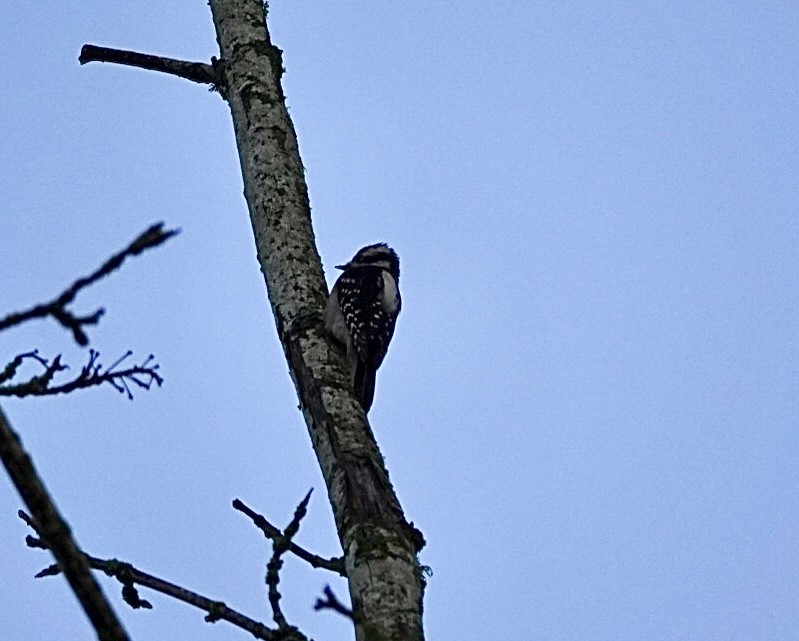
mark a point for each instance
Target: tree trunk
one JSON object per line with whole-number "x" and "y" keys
{"x": 380, "y": 547}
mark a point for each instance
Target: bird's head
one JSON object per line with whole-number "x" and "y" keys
{"x": 379, "y": 255}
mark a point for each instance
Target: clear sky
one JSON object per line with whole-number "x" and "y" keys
{"x": 590, "y": 405}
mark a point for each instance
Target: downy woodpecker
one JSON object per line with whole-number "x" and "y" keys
{"x": 361, "y": 312}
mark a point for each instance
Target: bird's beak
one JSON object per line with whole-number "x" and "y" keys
{"x": 342, "y": 267}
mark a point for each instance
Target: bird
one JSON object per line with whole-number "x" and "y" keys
{"x": 361, "y": 312}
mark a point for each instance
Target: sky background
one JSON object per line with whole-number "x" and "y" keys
{"x": 590, "y": 403}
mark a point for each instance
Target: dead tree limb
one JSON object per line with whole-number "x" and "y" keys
{"x": 55, "y": 533}
{"x": 380, "y": 546}
{"x": 195, "y": 71}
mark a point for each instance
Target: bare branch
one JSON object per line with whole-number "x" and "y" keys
{"x": 195, "y": 71}
{"x": 57, "y": 308}
{"x": 271, "y": 532}
{"x": 10, "y": 370}
{"x": 129, "y": 576}
{"x": 91, "y": 375}
{"x": 331, "y": 602}
{"x": 55, "y": 534}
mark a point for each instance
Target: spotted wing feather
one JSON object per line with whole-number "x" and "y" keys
{"x": 360, "y": 297}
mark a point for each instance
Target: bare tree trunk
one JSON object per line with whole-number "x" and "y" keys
{"x": 380, "y": 547}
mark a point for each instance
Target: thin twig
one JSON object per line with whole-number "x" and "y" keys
{"x": 129, "y": 576}
{"x": 195, "y": 71}
{"x": 57, "y": 308}
{"x": 55, "y": 534}
{"x": 280, "y": 545}
{"x": 271, "y": 532}
{"x": 331, "y": 602}
{"x": 10, "y": 370}
{"x": 91, "y": 375}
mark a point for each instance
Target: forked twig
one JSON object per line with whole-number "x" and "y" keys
{"x": 271, "y": 532}
{"x": 91, "y": 375}
{"x": 57, "y": 308}
{"x": 129, "y": 577}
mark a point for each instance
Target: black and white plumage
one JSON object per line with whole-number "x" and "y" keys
{"x": 361, "y": 312}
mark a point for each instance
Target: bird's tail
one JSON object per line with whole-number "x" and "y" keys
{"x": 364, "y": 384}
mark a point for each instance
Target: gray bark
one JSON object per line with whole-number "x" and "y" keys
{"x": 379, "y": 546}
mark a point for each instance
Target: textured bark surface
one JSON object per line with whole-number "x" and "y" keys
{"x": 379, "y": 545}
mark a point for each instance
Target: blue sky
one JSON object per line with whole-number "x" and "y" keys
{"x": 590, "y": 405}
